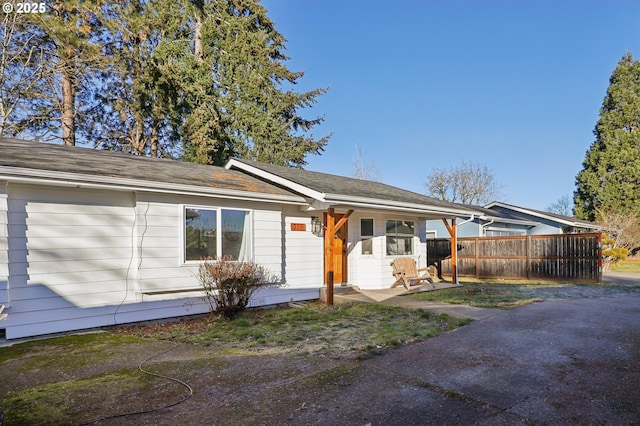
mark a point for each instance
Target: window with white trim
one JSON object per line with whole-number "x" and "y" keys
{"x": 215, "y": 233}
{"x": 503, "y": 232}
{"x": 366, "y": 236}
{"x": 400, "y": 237}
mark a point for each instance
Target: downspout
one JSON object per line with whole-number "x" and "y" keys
{"x": 484, "y": 225}
{"x": 468, "y": 220}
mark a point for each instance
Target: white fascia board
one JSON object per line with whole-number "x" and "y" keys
{"x": 44, "y": 177}
{"x": 315, "y": 205}
{"x": 301, "y": 189}
{"x": 512, "y": 221}
{"x": 587, "y": 225}
{"x": 375, "y": 204}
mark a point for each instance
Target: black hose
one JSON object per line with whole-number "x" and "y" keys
{"x": 150, "y": 373}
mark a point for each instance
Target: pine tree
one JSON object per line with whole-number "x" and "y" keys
{"x": 136, "y": 111}
{"x": 610, "y": 178}
{"x": 152, "y": 78}
{"x": 71, "y": 30}
{"x": 204, "y": 124}
{"x": 255, "y": 110}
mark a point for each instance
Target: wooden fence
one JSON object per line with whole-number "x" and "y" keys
{"x": 571, "y": 257}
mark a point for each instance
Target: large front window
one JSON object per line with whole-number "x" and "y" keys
{"x": 213, "y": 233}
{"x": 399, "y": 237}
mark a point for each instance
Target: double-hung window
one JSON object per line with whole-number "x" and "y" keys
{"x": 366, "y": 236}
{"x": 215, "y": 233}
{"x": 400, "y": 237}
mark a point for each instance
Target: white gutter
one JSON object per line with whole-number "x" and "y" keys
{"x": 466, "y": 221}
{"x": 394, "y": 205}
{"x": 398, "y": 207}
{"x": 65, "y": 179}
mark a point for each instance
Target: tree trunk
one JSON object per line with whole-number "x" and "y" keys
{"x": 154, "y": 140}
{"x": 68, "y": 107}
{"x": 197, "y": 40}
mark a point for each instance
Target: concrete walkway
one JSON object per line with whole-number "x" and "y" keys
{"x": 394, "y": 297}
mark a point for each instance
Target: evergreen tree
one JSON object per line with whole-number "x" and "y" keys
{"x": 255, "y": 111}
{"x": 153, "y": 78}
{"x": 137, "y": 109}
{"x": 203, "y": 124}
{"x": 610, "y": 178}
{"x": 72, "y": 54}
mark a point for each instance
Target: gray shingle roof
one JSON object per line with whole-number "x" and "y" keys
{"x": 88, "y": 162}
{"x": 526, "y": 214}
{"x": 347, "y": 186}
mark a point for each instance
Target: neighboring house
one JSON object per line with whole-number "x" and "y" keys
{"x": 501, "y": 219}
{"x": 92, "y": 238}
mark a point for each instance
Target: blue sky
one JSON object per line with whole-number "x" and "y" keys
{"x": 514, "y": 85}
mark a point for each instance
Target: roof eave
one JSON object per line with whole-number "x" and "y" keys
{"x": 510, "y": 221}
{"x": 273, "y": 178}
{"x": 532, "y": 213}
{"x": 77, "y": 180}
{"x": 380, "y": 204}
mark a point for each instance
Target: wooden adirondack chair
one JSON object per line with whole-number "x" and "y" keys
{"x": 407, "y": 274}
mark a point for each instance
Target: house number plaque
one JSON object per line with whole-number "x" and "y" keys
{"x": 298, "y": 226}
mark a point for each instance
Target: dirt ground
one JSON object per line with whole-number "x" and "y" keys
{"x": 565, "y": 361}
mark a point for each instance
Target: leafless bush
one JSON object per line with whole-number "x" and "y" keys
{"x": 229, "y": 285}
{"x": 622, "y": 235}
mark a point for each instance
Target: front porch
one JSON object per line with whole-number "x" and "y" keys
{"x": 392, "y": 297}
{"x": 346, "y": 293}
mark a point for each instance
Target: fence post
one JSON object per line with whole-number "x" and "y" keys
{"x": 528, "y": 252}
{"x": 599, "y": 257}
{"x": 477, "y": 249}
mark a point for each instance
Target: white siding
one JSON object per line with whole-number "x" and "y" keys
{"x": 4, "y": 245}
{"x": 159, "y": 234}
{"x": 267, "y": 238}
{"x": 79, "y": 258}
{"x": 159, "y": 242}
{"x": 160, "y": 230}
{"x": 373, "y": 271}
{"x": 304, "y": 252}
{"x": 70, "y": 252}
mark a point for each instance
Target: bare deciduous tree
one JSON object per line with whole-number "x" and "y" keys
{"x": 21, "y": 70}
{"x": 622, "y": 228}
{"x": 563, "y": 206}
{"x": 468, "y": 183}
{"x": 363, "y": 167}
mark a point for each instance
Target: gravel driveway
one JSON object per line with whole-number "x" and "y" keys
{"x": 559, "y": 362}
{"x": 565, "y": 361}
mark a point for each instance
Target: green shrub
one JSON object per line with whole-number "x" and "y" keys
{"x": 611, "y": 253}
{"x": 229, "y": 285}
